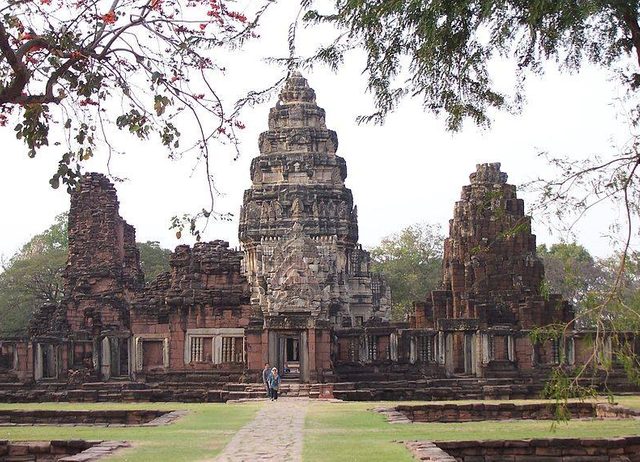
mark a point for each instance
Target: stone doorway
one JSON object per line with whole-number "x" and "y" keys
{"x": 115, "y": 358}
{"x": 46, "y": 361}
{"x": 290, "y": 348}
{"x": 460, "y": 353}
{"x": 289, "y": 357}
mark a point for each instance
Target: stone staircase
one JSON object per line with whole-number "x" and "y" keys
{"x": 7, "y": 377}
{"x": 257, "y": 390}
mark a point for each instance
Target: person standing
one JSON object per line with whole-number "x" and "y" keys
{"x": 266, "y": 374}
{"x": 274, "y": 383}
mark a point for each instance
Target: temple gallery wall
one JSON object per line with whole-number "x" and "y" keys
{"x": 300, "y": 293}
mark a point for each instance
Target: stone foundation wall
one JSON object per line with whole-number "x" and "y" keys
{"x": 556, "y": 448}
{"x": 46, "y": 417}
{"x": 44, "y": 451}
{"x": 455, "y": 413}
{"x": 444, "y": 389}
{"x": 625, "y": 449}
{"x": 385, "y": 371}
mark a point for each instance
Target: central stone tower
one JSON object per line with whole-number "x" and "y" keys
{"x": 299, "y": 228}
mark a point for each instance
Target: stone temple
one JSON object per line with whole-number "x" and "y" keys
{"x": 299, "y": 231}
{"x": 300, "y": 293}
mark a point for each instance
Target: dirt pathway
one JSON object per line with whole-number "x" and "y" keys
{"x": 275, "y": 434}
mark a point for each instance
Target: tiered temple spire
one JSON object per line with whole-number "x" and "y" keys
{"x": 299, "y": 180}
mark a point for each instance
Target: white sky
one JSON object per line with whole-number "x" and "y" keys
{"x": 407, "y": 171}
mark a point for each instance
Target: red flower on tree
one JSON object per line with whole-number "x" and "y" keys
{"x": 109, "y": 18}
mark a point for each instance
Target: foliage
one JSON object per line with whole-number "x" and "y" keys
{"x": 33, "y": 276}
{"x": 441, "y": 52}
{"x": 609, "y": 300}
{"x": 570, "y": 270}
{"x": 154, "y": 260}
{"x": 411, "y": 260}
{"x": 72, "y": 72}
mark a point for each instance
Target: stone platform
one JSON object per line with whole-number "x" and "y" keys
{"x": 477, "y": 412}
{"x": 197, "y": 390}
{"x": 59, "y": 451}
{"x": 121, "y": 418}
{"x": 625, "y": 449}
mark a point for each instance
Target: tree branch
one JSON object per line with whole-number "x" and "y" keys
{"x": 630, "y": 18}
{"x": 21, "y": 73}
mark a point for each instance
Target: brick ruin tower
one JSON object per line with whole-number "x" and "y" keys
{"x": 103, "y": 269}
{"x": 492, "y": 277}
{"x": 102, "y": 274}
{"x": 299, "y": 228}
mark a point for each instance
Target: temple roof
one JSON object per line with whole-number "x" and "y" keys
{"x": 488, "y": 173}
{"x": 297, "y": 90}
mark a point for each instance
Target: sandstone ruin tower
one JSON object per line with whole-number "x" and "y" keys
{"x": 299, "y": 226}
{"x": 490, "y": 263}
{"x": 492, "y": 279}
{"x": 101, "y": 277}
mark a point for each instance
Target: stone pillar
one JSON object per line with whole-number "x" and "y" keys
{"x": 105, "y": 358}
{"x": 413, "y": 352}
{"x": 393, "y": 346}
{"x": 38, "y": 359}
{"x": 272, "y": 348}
{"x": 448, "y": 353}
{"x": 511, "y": 349}
{"x": 441, "y": 348}
{"x": 307, "y": 370}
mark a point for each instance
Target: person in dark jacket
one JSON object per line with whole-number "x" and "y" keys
{"x": 266, "y": 374}
{"x": 274, "y": 383}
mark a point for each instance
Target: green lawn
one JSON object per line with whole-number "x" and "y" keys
{"x": 351, "y": 432}
{"x": 333, "y": 431}
{"x": 198, "y": 436}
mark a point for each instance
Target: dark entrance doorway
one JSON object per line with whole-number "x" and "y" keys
{"x": 292, "y": 353}
{"x": 289, "y": 356}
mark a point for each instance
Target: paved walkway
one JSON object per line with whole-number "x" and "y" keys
{"x": 275, "y": 434}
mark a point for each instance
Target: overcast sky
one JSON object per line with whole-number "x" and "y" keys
{"x": 409, "y": 170}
